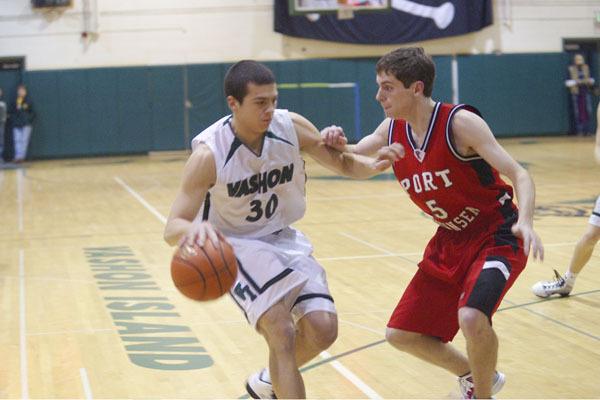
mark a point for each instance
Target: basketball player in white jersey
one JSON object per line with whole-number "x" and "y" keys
{"x": 563, "y": 285}
{"x": 245, "y": 179}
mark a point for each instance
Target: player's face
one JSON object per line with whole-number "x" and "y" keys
{"x": 395, "y": 99}
{"x": 256, "y": 111}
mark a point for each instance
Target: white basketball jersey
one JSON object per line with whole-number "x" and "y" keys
{"x": 254, "y": 195}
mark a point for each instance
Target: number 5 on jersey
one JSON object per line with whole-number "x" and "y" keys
{"x": 437, "y": 212}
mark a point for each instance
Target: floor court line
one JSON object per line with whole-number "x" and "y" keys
{"x": 356, "y": 381}
{"x": 23, "y": 328}
{"x": 19, "y": 177}
{"x": 363, "y": 327}
{"x": 401, "y": 255}
{"x": 349, "y": 236}
{"x": 85, "y": 382}
{"x": 557, "y": 322}
{"x": 346, "y": 373}
{"x": 143, "y": 201}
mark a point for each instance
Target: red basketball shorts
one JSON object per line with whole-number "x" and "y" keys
{"x": 480, "y": 272}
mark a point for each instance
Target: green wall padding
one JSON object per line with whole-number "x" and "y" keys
{"x": 518, "y": 94}
{"x": 104, "y": 111}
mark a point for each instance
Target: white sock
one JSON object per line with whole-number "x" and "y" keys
{"x": 570, "y": 278}
{"x": 266, "y": 376}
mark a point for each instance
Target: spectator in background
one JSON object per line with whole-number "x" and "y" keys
{"x": 3, "y": 114}
{"x": 22, "y": 119}
{"x": 580, "y": 84}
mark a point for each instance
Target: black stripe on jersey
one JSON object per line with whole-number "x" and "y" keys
{"x": 234, "y": 146}
{"x": 595, "y": 213}
{"x": 271, "y": 135}
{"x": 271, "y": 282}
{"x": 206, "y": 207}
{"x": 227, "y": 120}
{"x": 484, "y": 171}
{"x": 504, "y": 235}
{"x": 391, "y": 132}
{"x": 312, "y": 296}
{"x": 432, "y": 120}
{"x": 449, "y": 131}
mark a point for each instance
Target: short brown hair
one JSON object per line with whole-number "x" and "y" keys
{"x": 409, "y": 65}
{"x": 240, "y": 74}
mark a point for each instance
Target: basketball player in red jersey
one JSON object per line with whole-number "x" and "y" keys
{"x": 448, "y": 161}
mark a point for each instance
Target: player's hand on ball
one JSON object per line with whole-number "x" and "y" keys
{"x": 333, "y": 136}
{"x": 531, "y": 241}
{"x": 200, "y": 232}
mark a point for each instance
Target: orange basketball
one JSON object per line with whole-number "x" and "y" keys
{"x": 204, "y": 273}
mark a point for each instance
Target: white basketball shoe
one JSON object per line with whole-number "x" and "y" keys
{"x": 467, "y": 388}
{"x": 548, "y": 288}
{"x": 258, "y": 387}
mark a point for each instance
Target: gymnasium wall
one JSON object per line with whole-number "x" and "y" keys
{"x": 203, "y": 31}
{"x": 138, "y": 109}
{"x": 122, "y": 89}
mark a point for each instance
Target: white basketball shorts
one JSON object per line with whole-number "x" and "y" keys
{"x": 275, "y": 267}
{"x": 595, "y": 217}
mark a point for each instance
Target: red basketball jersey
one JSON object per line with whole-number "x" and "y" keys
{"x": 464, "y": 195}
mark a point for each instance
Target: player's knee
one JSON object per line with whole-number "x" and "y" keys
{"x": 280, "y": 336}
{"x": 401, "y": 340}
{"x": 473, "y": 322}
{"x": 325, "y": 335}
{"x": 278, "y": 329}
{"x": 321, "y": 329}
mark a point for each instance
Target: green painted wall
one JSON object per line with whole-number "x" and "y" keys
{"x": 107, "y": 111}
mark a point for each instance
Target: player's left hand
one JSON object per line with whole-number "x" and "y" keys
{"x": 531, "y": 240}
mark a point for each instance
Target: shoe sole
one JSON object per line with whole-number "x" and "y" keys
{"x": 251, "y": 392}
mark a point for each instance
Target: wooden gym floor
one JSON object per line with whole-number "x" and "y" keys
{"x": 89, "y": 311}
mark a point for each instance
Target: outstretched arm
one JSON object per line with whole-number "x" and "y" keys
{"x": 333, "y": 136}
{"x": 343, "y": 163}
{"x": 472, "y": 135}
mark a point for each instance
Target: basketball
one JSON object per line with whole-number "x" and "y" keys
{"x": 204, "y": 273}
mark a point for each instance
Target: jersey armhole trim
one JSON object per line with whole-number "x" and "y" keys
{"x": 453, "y": 149}
{"x": 390, "y": 131}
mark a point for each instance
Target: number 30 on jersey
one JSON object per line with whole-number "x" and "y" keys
{"x": 258, "y": 208}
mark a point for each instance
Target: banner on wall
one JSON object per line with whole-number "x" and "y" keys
{"x": 406, "y": 21}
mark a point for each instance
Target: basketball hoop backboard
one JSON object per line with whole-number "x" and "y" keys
{"x": 344, "y": 8}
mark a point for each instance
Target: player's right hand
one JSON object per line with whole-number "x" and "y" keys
{"x": 333, "y": 136}
{"x": 199, "y": 232}
{"x": 391, "y": 153}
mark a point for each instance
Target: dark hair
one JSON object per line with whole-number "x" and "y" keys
{"x": 240, "y": 74}
{"x": 408, "y": 66}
